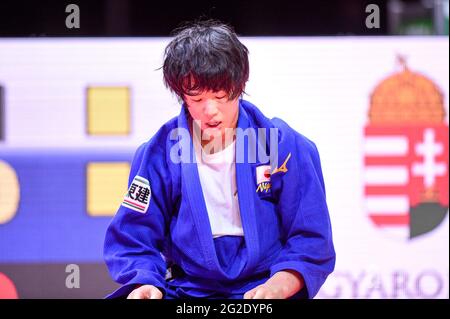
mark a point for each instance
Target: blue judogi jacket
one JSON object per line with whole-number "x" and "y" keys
{"x": 163, "y": 221}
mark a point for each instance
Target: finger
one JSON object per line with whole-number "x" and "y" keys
{"x": 260, "y": 294}
{"x": 132, "y": 295}
{"x": 249, "y": 294}
{"x": 140, "y": 294}
{"x": 155, "y": 294}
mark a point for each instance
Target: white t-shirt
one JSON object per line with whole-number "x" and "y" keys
{"x": 217, "y": 174}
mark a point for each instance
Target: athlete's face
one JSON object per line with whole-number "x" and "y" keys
{"x": 214, "y": 110}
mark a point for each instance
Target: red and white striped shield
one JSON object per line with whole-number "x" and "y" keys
{"x": 406, "y": 177}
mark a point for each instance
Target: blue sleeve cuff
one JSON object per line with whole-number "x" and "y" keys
{"x": 142, "y": 278}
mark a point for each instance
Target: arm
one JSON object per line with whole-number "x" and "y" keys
{"x": 134, "y": 239}
{"x": 308, "y": 254}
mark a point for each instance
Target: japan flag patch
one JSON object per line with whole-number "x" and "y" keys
{"x": 262, "y": 174}
{"x": 138, "y": 195}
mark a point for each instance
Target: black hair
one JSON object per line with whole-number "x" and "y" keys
{"x": 206, "y": 55}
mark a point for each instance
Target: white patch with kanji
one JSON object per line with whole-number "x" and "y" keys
{"x": 138, "y": 195}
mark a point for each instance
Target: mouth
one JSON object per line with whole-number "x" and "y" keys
{"x": 213, "y": 124}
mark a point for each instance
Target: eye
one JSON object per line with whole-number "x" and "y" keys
{"x": 196, "y": 100}
{"x": 221, "y": 97}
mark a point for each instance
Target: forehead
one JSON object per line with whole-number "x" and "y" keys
{"x": 205, "y": 93}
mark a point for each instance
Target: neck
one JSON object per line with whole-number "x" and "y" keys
{"x": 218, "y": 143}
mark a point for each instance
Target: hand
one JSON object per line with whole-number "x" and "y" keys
{"x": 281, "y": 285}
{"x": 146, "y": 292}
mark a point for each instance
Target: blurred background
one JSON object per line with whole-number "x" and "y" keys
{"x": 367, "y": 81}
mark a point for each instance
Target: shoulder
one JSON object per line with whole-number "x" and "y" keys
{"x": 302, "y": 142}
{"x": 155, "y": 149}
{"x": 254, "y": 114}
{"x": 286, "y": 134}
{"x": 305, "y": 153}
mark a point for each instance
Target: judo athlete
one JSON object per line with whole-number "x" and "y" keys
{"x": 223, "y": 202}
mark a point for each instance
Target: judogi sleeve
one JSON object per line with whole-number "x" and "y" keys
{"x": 135, "y": 237}
{"x": 308, "y": 246}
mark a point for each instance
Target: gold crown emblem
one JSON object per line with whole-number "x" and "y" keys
{"x": 406, "y": 98}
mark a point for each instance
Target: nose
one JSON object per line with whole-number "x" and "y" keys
{"x": 211, "y": 108}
